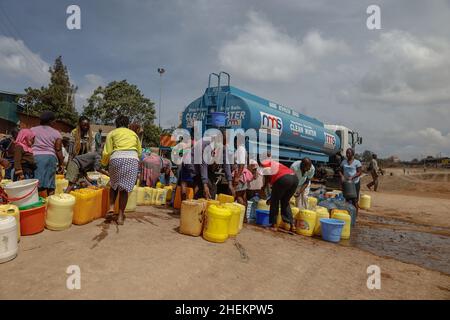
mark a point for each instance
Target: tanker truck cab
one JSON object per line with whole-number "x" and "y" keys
{"x": 348, "y": 137}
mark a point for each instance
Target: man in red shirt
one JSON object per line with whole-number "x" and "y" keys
{"x": 284, "y": 184}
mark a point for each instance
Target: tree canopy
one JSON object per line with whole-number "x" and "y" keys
{"x": 57, "y": 97}
{"x": 123, "y": 98}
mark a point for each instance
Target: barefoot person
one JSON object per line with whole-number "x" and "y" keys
{"x": 122, "y": 152}
{"x": 284, "y": 183}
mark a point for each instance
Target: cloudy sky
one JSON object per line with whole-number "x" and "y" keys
{"x": 392, "y": 85}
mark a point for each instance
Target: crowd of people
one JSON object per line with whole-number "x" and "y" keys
{"x": 41, "y": 153}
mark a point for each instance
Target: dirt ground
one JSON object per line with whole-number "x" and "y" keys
{"x": 148, "y": 259}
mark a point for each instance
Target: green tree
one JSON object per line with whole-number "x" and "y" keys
{"x": 123, "y": 98}
{"x": 57, "y": 97}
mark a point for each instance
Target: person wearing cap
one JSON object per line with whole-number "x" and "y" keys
{"x": 47, "y": 150}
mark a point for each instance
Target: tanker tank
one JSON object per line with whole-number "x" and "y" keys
{"x": 299, "y": 135}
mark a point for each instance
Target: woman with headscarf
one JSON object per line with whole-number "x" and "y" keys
{"x": 82, "y": 138}
{"x": 47, "y": 150}
{"x": 121, "y": 152}
{"x": 24, "y": 164}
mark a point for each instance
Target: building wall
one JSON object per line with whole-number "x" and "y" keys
{"x": 27, "y": 121}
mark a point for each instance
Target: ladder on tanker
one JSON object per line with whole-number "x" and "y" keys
{"x": 215, "y": 98}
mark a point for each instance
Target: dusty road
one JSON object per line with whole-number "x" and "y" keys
{"x": 405, "y": 233}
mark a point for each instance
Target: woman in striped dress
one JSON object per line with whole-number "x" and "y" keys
{"x": 122, "y": 152}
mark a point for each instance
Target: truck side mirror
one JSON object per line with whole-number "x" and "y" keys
{"x": 360, "y": 140}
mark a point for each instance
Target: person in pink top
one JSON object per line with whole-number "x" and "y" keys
{"x": 47, "y": 150}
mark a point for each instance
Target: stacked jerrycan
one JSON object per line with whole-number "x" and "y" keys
{"x": 59, "y": 211}
{"x": 365, "y": 202}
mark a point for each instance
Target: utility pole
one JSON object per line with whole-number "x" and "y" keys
{"x": 160, "y": 71}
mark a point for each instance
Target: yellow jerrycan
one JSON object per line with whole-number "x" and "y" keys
{"x": 159, "y": 185}
{"x": 132, "y": 200}
{"x": 321, "y": 212}
{"x": 217, "y": 223}
{"x": 61, "y": 185}
{"x": 59, "y": 211}
{"x": 140, "y": 196}
{"x": 312, "y": 203}
{"x": 225, "y": 198}
{"x": 306, "y": 222}
{"x": 233, "y": 226}
{"x": 154, "y": 196}
{"x": 12, "y": 210}
{"x": 295, "y": 211}
{"x": 365, "y": 202}
{"x": 160, "y": 197}
{"x": 148, "y": 195}
{"x": 85, "y": 205}
{"x": 169, "y": 193}
{"x": 262, "y": 205}
{"x": 191, "y": 217}
{"x": 242, "y": 214}
{"x": 344, "y": 216}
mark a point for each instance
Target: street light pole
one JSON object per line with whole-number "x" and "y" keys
{"x": 160, "y": 71}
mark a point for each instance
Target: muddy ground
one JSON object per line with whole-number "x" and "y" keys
{"x": 406, "y": 233}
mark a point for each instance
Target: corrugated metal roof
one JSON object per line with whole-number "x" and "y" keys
{"x": 8, "y": 111}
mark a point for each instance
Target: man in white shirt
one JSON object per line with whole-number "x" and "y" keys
{"x": 304, "y": 170}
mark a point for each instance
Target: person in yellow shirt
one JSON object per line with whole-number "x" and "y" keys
{"x": 121, "y": 154}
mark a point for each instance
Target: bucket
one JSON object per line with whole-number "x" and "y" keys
{"x": 262, "y": 217}
{"x": 349, "y": 190}
{"x": 218, "y": 119}
{"x": 23, "y": 193}
{"x": 32, "y": 218}
{"x": 331, "y": 229}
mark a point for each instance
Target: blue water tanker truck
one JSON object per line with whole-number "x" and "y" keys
{"x": 299, "y": 136}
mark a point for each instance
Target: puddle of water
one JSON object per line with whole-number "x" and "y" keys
{"x": 424, "y": 249}
{"x": 242, "y": 251}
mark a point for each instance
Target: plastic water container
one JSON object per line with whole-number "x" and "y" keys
{"x": 13, "y": 211}
{"x": 225, "y": 198}
{"x": 61, "y": 185}
{"x": 85, "y": 205}
{"x": 105, "y": 200}
{"x": 148, "y": 196}
{"x": 160, "y": 197}
{"x": 140, "y": 196}
{"x": 216, "y": 224}
{"x": 98, "y": 202}
{"x": 189, "y": 195}
{"x": 23, "y": 193}
{"x": 242, "y": 215}
{"x": 8, "y": 236}
{"x": 349, "y": 190}
{"x": 233, "y": 226}
{"x": 295, "y": 211}
{"x": 32, "y": 218}
{"x": 306, "y": 222}
{"x": 344, "y": 216}
{"x": 132, "y": 200}
{"x": 321, "y": 213}
{"x": 191, "y": 217}
{"x": 365, "y": 202}
{"x": 331, "y": 229}
{"x": 312, "y": 203}
{"x": 262, "y": 217}
{"x": 59, "y": 211}
{"x": 262, "y": 205}
{"x": 248, "y": 211}
{"x": 218, "y": 119}
{"x": 169, "y": 193}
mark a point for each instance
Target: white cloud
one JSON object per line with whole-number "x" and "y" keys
{"x": 85, "y": 89}
{"x": 18, "y": 61}
{"x": 406, "y": 69}
{"x": 261, "y": 51}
